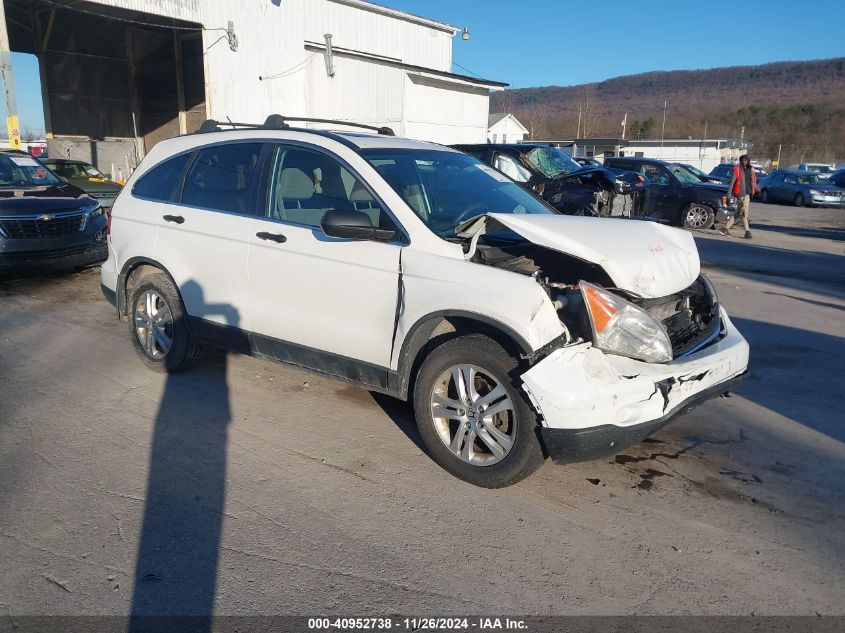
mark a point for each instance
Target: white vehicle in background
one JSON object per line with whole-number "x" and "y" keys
{"x": 824, "y": 170}
{"x": 415, "y": 270}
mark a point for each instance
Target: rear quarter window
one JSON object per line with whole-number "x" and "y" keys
{"x": 162, "y": 182}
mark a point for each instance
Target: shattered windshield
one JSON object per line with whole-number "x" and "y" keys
{"x": 695, "y": 172}
{"x": 552, "y": 161}
{"x": 684, "y": 175}
{"x": 21, "y": 170}
{"x": 447, "y": 188}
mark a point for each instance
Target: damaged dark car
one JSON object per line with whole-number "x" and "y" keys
{"x": 569, "y": 187}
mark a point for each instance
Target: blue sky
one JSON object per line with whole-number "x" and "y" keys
{"x": 566, "y": 42}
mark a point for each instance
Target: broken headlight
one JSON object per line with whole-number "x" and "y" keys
{"x": 620, "y": 327}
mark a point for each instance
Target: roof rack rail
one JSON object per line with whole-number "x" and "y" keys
{"x": 279, "y": 122}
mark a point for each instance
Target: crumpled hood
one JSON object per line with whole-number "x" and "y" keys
{"x": 646, "y": 258}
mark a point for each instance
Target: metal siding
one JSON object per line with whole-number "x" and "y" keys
{"x": 271, "y": 41}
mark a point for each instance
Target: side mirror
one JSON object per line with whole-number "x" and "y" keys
{"x": 353, "y": 225}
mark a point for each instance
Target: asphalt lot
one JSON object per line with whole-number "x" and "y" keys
{"x": 253, "y": 488}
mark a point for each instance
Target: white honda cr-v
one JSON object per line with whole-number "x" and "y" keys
{"x": 415, "y": 270}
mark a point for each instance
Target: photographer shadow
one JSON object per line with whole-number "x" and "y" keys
{"x": 176, "y": 566}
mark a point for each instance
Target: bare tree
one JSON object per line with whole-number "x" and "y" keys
{"x": 588, "y": 108}
{"x": 27, "y": 135}
{"x": 536, "y": 118}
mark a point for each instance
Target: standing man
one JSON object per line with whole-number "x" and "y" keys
{"x": 743, "y": 186}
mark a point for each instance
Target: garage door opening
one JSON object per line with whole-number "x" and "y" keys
{"x": 114, "y": 82}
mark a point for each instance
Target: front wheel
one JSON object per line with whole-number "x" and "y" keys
{"x": 474, "y": 421}
{"x": 799, "y": 200}
{"x": 698, "y": 216}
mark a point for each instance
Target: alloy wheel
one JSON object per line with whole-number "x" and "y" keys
{"x": 697, "y": 216}
{"x": 153, "y": 324}
{"x": 473, "y": 415}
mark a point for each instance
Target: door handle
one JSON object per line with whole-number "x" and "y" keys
{"x": 273, "y": 237}
{"x": 174, "y": 218}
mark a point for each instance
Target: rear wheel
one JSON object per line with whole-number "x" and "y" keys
{"x": 157, "y": 326}
{"x": 474, "y": 421}
{"x": 698, "y": 216}
{"x": 799, "y": 200}
{"x": 764, "y": 196}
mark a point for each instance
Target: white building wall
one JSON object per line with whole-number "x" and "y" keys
{"x": 443, "y": 111}
{"x": 271, "y": 44}
{"x": 705, "y": 158}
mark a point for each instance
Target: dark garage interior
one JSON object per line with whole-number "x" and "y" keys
{"x": 111, "y": 75}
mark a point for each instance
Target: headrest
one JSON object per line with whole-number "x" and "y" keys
{"x": 295, "y": 184}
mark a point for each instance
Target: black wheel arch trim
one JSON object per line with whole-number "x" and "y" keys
{"x": 420, "y": 332}
{"x": 128, "y": 266}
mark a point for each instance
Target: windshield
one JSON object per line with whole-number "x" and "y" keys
{"x": 820, "y": 169}
{"x": 77, "y": 170}
{"x": 446, "y": 188}
{"x": 683, "y": 174}
{"x": 20, "y": 170}
{"x": 552, "y": 161}
{"x": 699, "y": 175}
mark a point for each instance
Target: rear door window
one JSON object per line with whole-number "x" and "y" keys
{"x": 222, "y": 176}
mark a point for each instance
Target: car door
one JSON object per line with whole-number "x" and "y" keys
{"x": 322, "y": 302}
{"x": 788, "y": 188}
{"x": 662, "y": 198}
{"x": 203, "y": 239}
{"x": 774, "y": 187}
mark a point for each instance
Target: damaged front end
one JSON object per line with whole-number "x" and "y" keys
{"x": 645, "y": 338}
{"x": 597, "y": 191}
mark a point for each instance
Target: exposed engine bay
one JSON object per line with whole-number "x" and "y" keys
{"x": 690, "y": 316}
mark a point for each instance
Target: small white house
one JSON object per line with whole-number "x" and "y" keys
{"x": 503, "y": 127}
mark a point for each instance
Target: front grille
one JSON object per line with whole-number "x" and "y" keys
{"x": 39, "y": 226}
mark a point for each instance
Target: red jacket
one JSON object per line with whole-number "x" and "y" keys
{"x": 737, "y": 179}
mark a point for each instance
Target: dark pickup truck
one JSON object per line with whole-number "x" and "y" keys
{"x": 675, "y": 195}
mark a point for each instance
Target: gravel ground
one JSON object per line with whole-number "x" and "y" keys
{"x": 253, "y": 488}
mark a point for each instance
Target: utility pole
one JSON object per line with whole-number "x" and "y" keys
{"x": 662, "y": 132}
{"x": 778, "y": 160}
{"x": 12, "y": 122}
{"x": 624, "y": 123}
{"x": 578, "y": 133}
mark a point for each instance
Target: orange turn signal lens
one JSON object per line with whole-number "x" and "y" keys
{"x": 600, "y": 308}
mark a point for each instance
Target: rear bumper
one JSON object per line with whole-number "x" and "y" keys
{"x": 603, "y": 402}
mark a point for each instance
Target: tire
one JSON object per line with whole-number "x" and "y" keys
{"x": 764, "y": 196}
{"x": 514, "y": 423}
{"x": 157, "y": 295}
{"x": 698, "y": 216}
{"x": 799, "y": 200}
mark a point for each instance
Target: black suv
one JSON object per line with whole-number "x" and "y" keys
{"x": 45, "y": 221}
{"x": 675, "y": 195}
{"x": 563, "y": 183}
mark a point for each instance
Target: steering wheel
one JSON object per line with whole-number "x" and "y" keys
{"x": 476, "y": 208}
